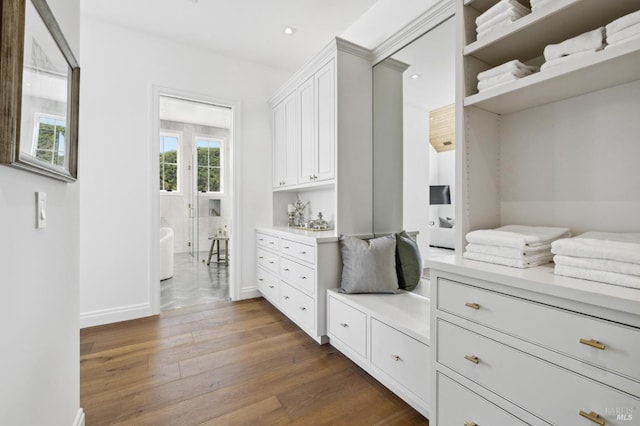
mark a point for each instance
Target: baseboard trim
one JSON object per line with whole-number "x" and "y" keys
{"x": 79, "y": 421}
{"x": 249, "y": 293}
{"x": 108, "y": 316}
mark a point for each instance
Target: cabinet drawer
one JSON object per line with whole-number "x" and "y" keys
{"x": 299, "y": 251}
{"x": 267, "y": 241}
{"x": 297, "y": 305}
{"x": 268, "y": 260}
{"x": 401, "y": 357}
{"x": 553, "y": 328}
{"x": 349, "y": 325}
{"x": 300, "y": 276}
{"x": 269, "y": 285}
{"x": 550, "y": 392}
{"x": 458, "y": 405}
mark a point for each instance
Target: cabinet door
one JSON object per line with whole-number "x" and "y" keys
{"x": 306, "y": 119}
{"x": 325, "y": 127}
{"x": 277, "y": 120}
{"x": 290, "y": 145}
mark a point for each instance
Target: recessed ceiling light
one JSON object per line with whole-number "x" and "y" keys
{"x": 289, "y": 30}
{"x": 414, "y": 76}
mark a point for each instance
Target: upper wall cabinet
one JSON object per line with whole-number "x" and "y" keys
{"x": 329, "y": 140}
{"x": 285, "y": 142}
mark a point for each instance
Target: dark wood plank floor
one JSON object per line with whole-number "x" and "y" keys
{"x": 226, "y": 363}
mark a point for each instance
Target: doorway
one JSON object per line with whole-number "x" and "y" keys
{"x": 195, "y": 140}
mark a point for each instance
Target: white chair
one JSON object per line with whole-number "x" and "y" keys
{"x": 166, "y": 253}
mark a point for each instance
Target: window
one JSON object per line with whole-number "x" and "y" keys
{"x": 209, "y": 165}
{"x": 49, "y": 140}
{"x": 169, "y": 169}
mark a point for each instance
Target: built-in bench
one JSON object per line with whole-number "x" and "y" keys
{"x": 388, "y": 336}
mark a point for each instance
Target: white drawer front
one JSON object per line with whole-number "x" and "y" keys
{"x": 299, "y": 251}
{"x": 401, "y": 357}
{"x": 349, "y": 325}
{"x": 298, "y": 305}
{"x": 268, "y": 260}
{"x": 460, "y": 406}
{"x": 300, "y": 276}
{"x": 550, "y": 392}
{"x": 551, "y": 327}
{"x": 269, "y": 285}
{"x": 267, "y": 241}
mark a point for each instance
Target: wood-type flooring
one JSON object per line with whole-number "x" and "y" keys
{"x": 226, "y": 363}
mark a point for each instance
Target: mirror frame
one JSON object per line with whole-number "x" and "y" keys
{"x": 12, "y": 31}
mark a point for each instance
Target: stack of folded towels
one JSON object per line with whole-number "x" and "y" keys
{"x": 624, "y": 29}
{"x": 519, "y": 246}
{"x": 501, "y": 14}
{"x": 582, "y": 45}
{"x": 509, "y": 71}
{"x": 607, "y": 257}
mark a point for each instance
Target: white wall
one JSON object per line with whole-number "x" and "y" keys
{"x": 39, "y": 320}
{"x": 120, "y": 68}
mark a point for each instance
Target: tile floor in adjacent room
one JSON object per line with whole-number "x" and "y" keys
{"x": 194, "y": 283}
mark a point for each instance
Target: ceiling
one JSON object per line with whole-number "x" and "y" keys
{"x": 245, "y": 29}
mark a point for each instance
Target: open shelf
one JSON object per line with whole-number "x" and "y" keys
{"x": 526, "y": 38}
{"x": 610, "y": 67}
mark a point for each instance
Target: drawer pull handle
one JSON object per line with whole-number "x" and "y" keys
{"x": 396, "y": 358}
{"x": 271, "y": 242}
{"x": 593, "y": 343}
{"x": 474, "y": 359}
{"x": 286, "y": 297}
{"x": 470, "y": 424}
{"x": 286, "y": 247}
{"x": 303, "y": 252}
{"x": 260, "y": 257}
{"x": 260, "y": 279}
{"x": 472, "y": 305}
{"x": 260, "y": 239}
{"x": 271, "y": 286}
{"x": 594, "y": 417}
{"x": 272, "y": 262}
{"x": 286, "y": 269}
{"x": 302, "y": 308}
{"x": 344, "y": 325}
{"x": 302, "y": 277}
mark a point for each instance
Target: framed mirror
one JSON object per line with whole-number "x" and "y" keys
{"x": 39, "y": 96}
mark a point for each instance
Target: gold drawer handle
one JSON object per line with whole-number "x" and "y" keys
{"x": 260, "y": 279}
{"x": 302, "y": 308}
{"x": 470, "y": 424}
{"x": 286, "y": 297}
{"x": 271, "y": 242}
{"x": 594, "y": 417}
{"x": 396, "y": 358}
{"x": 271, "y": 286}
{"x": 286, "y": 247}
{"x": 286, "y": 269}
{"x": 472, "y": 305}
{"x": 303, "y": 277}
{"x": 474, "y": 359}
{"x": 344, "y": 325}
{"x": 593, "y": 343}
{"x": 260, "y": 257}
{"x": 303, "y": 252}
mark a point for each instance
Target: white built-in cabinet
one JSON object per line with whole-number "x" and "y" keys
{"x": 285, "y": 142}
{"x": 556, "y": 148}
{"x": 317, "y": 114}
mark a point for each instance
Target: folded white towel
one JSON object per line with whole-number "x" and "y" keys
{"x": 563, "y": 59}
{"x": 623, "y": 22}
{"x": 497, "y": 81}
{"x": 530, "y": 253}
{"x": 633, "y": 37}
{"x": 518, "y": 236}
{"x": 511, "y": 66}
{"x": 500, "y": 7}
{"x": 606, "y": 265}
{"x": 623, "y": 247}
{"x": 537, "y": 5}
{"x": 624, "y": 34}
{"x": 586, "y": 41}
{"x": 509, "y": 15}
{"x": 601, "y": 276}
{"x": 515, "y": 263}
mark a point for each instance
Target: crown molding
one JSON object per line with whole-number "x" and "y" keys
{"x": 428, "y": 20}
{"x": 394, "y": 64}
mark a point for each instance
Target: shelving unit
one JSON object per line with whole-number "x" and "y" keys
{"x": 556, "y": 148}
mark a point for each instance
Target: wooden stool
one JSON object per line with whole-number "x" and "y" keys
{"x": 219, "y": 259}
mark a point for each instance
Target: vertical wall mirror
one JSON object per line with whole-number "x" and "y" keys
{"x": 414, "y": 140}
{"x": 40, "y": 90}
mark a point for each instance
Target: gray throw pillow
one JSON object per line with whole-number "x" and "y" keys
{"x": 408, "y": 261}
{"x": 368, "y": 266}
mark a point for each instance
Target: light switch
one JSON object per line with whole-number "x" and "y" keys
{"x": 41, "y": 210}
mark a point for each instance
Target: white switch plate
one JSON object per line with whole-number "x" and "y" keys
{"x": 41, "y": 210}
